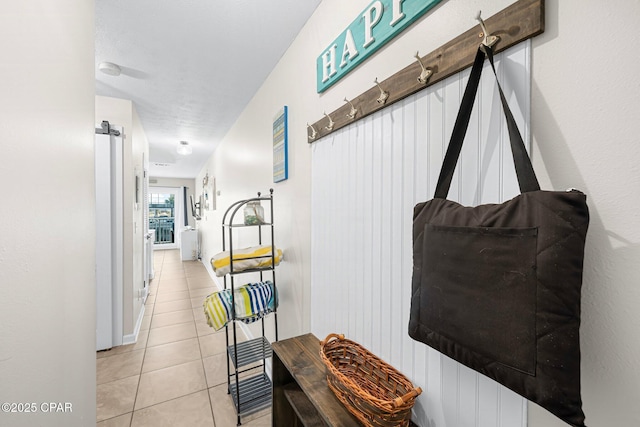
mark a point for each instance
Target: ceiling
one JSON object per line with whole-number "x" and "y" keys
{"x": 191, "y": 67}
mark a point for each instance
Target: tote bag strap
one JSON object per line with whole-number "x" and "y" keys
{"x": 524, "y": 170}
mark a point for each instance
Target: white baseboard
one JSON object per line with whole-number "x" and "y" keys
{"x": 133, "y": 338}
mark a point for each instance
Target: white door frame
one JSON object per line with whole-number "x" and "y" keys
{"x": 178, "y": 222}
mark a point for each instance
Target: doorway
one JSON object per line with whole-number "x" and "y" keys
{"x": 166, "y": 216}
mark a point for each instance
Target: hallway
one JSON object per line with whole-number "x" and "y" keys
{"x": 175, "y": 375}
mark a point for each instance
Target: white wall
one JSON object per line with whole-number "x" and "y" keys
{"x": 584, "y": 127}
{"x": 47, "y": 264}
{"x": 121, "y": 112}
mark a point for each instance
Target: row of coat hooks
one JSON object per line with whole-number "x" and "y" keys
{"x": 527, "y": 26}
{"x": 488, "y": 40}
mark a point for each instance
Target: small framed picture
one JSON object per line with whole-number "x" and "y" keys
{"x": 280, "y": 145}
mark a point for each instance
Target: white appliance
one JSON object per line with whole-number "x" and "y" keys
{"x": 109, "y": 236}
{"x": 189, "y": 245}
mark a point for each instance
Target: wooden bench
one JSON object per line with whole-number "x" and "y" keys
{"x": 301, "y": 396}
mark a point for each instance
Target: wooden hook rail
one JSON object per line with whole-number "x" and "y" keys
{"x": 522, "y": 20}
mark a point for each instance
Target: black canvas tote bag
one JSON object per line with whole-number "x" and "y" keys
{"x": 497, "y": 287}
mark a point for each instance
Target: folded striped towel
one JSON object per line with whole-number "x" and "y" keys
{"x": 252, "y": 302}
{"x": 217, "y": 309}
{"x": 254, "y": 299}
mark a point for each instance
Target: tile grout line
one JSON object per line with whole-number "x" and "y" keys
{"x": 144, "y": 356}
{"x": 153, "y": 313}
{"x": 213, "y": 416}
{"x": 194, "y": 321}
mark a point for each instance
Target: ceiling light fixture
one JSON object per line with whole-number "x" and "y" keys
{"x": 109, "y": 68}
{"x": 184, "y": 148}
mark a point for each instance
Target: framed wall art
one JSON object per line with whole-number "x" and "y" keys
{"x": 280, "y": 145}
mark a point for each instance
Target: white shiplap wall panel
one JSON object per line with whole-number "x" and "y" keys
{"x": 405, "y": 263}
{"x": 366, "y": 178}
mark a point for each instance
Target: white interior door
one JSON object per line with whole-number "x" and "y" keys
{"x": 148, "y": 242}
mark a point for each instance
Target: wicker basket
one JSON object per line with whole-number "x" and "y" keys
{"x": 371, "y": 389}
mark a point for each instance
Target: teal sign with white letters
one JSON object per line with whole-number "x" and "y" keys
{"x": 381, "y": 21}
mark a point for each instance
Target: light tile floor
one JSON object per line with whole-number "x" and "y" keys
{"x": 175, "y": 374}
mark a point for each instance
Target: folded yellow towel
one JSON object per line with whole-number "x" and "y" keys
{"x": 244, "y": 259}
